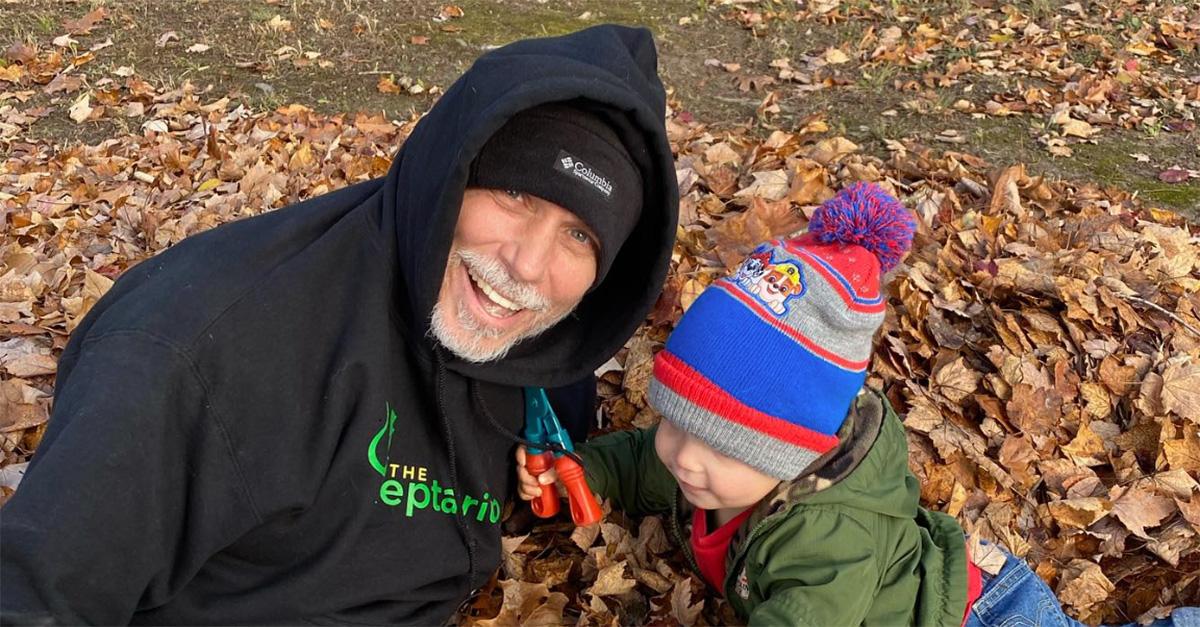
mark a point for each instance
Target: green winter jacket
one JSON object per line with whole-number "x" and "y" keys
{"x": 844, "y": 544}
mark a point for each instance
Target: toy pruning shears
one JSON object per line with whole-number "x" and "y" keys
{"x": 542, "y": 427}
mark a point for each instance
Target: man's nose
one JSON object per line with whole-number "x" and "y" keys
{"x": 531, "y": 252}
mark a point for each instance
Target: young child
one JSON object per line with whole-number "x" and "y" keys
{"x": 798, "y": 505}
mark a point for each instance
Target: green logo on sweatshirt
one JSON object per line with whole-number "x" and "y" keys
{"x": 409, "y": 486}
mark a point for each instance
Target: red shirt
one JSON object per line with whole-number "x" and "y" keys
{"x": 710, "y": 548}
{"x": 974, "y": 587}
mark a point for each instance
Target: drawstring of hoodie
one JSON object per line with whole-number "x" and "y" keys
{"x": 440, "y": 386}
{"x": 495, "y": 424}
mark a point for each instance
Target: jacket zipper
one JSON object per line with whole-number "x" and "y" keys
{"x": 687, "y": 547}
{"x": 742, "y": 553}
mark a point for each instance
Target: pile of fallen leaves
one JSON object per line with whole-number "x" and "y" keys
{"x": 1043, "y": 338}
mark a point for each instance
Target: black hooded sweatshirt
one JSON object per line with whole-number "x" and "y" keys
{"x": 254, "y": 427}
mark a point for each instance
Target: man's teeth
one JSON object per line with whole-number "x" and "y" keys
{"x": 494, "y": 295}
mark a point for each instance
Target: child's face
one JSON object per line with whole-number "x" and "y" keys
{"x": 709, "y": 480}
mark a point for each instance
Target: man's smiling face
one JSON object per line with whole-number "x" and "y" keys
{"x": 518, "y": 264}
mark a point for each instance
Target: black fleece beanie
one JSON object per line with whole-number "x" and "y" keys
{"x": 572, "y": 158}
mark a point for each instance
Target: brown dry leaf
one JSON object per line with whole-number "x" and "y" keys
{"x": 639, "y": 364}
{"x": 1079, "y": 513}
{"x": 1174, "y": 542}
{"x": 12, "y": 73}
{"x": 835, "y": 56}
{"x": 1183, "y": 453}
{"x": 387, "y": 85}
{"x": 612, "y": 581}
{"x": 1006, "y": 195}
{"x": 682, "y": 608}
{"x": 652, "y": 538}
{"x": 809, "y": 183}
{"x": 690, "y": 292}
{"x": 21, "y": 405}
{"x": 828, "y": 151}
{"x": 1097, "y": 400}
{"x": 81, "y": 109}
{"x": 1033, "y": 410}
{"x": 956, "y": 380}
{"x": 1137, "y": 508}
{"x": 652, "y": 580}
{"x": 527, "y": 604}
{"x": 1190, "y": 510}
{"x": 766, "y": 220}
{"x": 1087, "y": 448}
{"x": 584, "y": 536}
{"x": 988, "y": 557}
{"x": 721, "y": 154}
{"x": 1181, "y": 390}
{"x": 26, "y": 357}
{"x": 278, "y": 23}
{"x": 450, "y": 11}
{"x": 1083, "y": 584}
{"x": 514, "y": 564}
{"x": 85, "y": 24}
{"x": 20, "y": 52}
{"x": 771, "y": 185}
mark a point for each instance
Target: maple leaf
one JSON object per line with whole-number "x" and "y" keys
{"x": 1137, "y": 508}
{"x": 1181, "y": 390}
{"x": 682, "y": 608}
{"x": 956, "y": 381}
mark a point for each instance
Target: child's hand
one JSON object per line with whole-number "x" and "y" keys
{"x": 530, "y": 487}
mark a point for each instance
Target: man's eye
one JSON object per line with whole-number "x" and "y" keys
{"x": 512, "y": 193}
{"x": 581, "y": 236}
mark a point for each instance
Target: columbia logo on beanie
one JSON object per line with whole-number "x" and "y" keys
{"x": 765, "y": 364}
{"x": 573, "y": 167}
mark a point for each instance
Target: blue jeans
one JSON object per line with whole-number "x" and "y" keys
{"x": 1017, "y": 597}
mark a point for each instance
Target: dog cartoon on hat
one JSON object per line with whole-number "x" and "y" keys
{"x": 754, "y": 267}
{"x": 780, "y": 283}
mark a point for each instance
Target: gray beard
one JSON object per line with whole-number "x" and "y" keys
{"x": 472, "y": 345}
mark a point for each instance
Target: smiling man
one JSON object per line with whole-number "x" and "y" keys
{"x": 550, "y": 199}
{"x": 308, "y": 416}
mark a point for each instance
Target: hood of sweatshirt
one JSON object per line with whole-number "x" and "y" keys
{"x": 608, "y": 68}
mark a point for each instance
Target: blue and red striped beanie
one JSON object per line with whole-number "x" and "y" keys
{"x": 764, "y": 365}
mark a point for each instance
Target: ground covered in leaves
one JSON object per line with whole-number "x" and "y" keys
{"x": 1043, "y": 338}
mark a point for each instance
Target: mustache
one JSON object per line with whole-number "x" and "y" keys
{"x": 492, "y": 272}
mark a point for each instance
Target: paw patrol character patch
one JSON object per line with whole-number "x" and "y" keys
{"x": 777, "y": 284}
{"x": 754, "y": 267}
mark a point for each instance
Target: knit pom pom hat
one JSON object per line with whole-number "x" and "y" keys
{"x": 764, "y": 365}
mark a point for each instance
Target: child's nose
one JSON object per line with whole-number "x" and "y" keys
{"x": 689, "y": 455}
